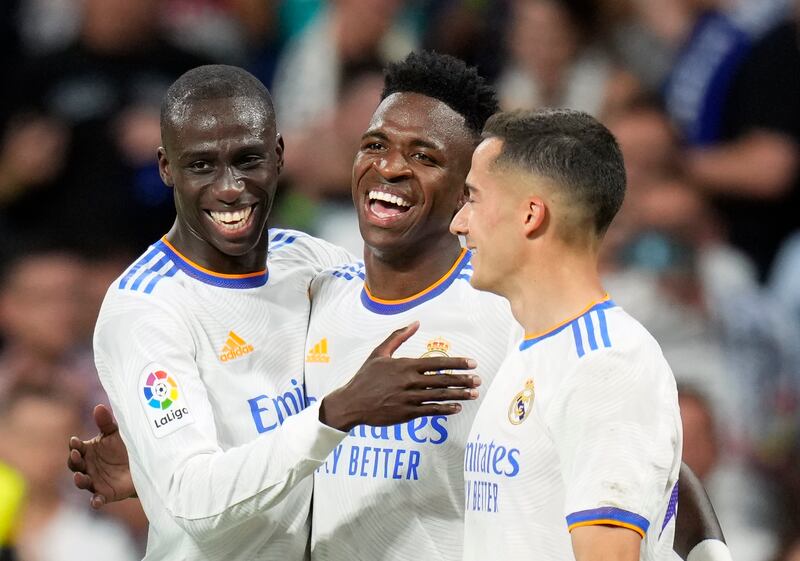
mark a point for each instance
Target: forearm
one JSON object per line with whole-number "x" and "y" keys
{"x": 761, "y": 165}
{"x": 605, "y": 543}
{"x": 211, "y": 492}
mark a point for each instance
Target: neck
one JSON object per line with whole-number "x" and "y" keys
{"x": 207, "y": 256}
{"x": 542, "y": 297}
{"x": 397, "y": 275}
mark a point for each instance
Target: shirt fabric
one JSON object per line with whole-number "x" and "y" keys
{"x": 580, "y": 426}
{"x": 204, "y": 372}
{"x": 397, "y": 492}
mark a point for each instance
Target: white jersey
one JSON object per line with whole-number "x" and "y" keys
{"x": 397, "y": 492}
{"x": 204, "y": 373}
{"x": 581, "y": 426}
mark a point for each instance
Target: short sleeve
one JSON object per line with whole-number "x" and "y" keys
{"x": 617, "y": 432}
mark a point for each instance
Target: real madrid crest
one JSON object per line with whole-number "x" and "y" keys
{"x": 436, "y": 348}
{"x": 522, "y": 404}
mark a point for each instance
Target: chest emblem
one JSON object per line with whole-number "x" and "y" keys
{"x": 437, "y": 348}
{"x": 319, "y": 352}
{"x": 522, "y": 404}
{"x": 235, "y": 347}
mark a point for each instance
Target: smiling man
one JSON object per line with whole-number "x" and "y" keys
{"x": 199, "y": 344}
{"x": 585, "y": 403}
{"x": 398, "y": 492}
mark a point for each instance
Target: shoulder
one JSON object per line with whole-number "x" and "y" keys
{"x": 145, "y": 299}
{"x": 621, "y": 354}
{"x": 338, "y": 278}
{"x": 149, "y": 274}
{"x": 301, "y": 248}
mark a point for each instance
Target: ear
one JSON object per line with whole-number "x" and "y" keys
{"x": 279, "y": 148}
{"x": 535, "y": 212}
{"x": 164, "y": 169}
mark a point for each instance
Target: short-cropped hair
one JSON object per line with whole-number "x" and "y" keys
{"x": 214, "y": 81}
{"x": 447, "y": 79}
{"x": 569, "y": 147}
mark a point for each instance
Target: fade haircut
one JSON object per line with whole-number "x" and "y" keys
{"x": 569, "y": 147}
{"x": 214, "y": 81}
{"x": 446, "y": 79}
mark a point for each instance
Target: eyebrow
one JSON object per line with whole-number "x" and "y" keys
{"x": 206, "y": 150}
{"x": 417, "y": 142}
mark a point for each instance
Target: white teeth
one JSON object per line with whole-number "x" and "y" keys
{"x": 231, "y": 220}
{"x": 389, "y": 198}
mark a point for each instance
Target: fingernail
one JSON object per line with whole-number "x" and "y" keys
{"x": 455, "y": 406}
{"x": 472, "y": 363}
{"x": 477, "y": 380}
{"x": 473, "y": 393}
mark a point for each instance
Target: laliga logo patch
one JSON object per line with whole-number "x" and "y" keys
{"x": 437, "y": 348}
{"x": 164, "y": 405}
{"x": 522, "y": 404}
{"x": 160, "y": 390}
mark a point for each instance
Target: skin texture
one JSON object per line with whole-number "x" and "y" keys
{"x": 220, "y": 156}
{"x": 418, "y": 148}
{"x": 696, "y": 520}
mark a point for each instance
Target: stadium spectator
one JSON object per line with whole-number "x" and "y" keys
{"x": 743, "y": 502}
{"x": 105, "y": 89}
{"x": 752, "y": 172}
{"x": 709, "y": 48}
{"x": 319, "y": 200}
{"x": 556, "y": 60}
{"x": 346, "y": 35}
{"x": 220, "y": 30}
{"x": 33, "y": 424}
{"x": 42, "y": 323}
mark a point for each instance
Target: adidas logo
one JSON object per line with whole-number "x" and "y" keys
{"x": 319, "y": 353}
{"x": 234, "y": 348}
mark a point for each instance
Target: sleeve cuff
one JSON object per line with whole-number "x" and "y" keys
{"x": 310, "y": 438}
{"x": 608, "y": 516}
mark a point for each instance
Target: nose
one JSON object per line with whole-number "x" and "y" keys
{"x": 460, "y": 222}
{"x": 229, "y": 187}
{"x": 393, "y": 166}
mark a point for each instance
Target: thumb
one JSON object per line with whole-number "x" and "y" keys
{"x": 393, "y": 342}
{"x": 104, "y": 420}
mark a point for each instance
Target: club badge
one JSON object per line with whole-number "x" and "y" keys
{"x": 437, "y": 348}
{"x": 522, "y": 404}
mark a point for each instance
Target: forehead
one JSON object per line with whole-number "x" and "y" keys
{"x": 419, "y": 116}
{"x": 233, "y": 117}
{"x": 483, "y": 169}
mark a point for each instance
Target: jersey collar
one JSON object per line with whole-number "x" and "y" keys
{"x": 531, "y": 340}
{"x": 389, "y": 307}
{"x": 192, "y": 269}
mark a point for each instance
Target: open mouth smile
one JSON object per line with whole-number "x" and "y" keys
{"x": 386, "y": 207}
{"x": 232, "y": 221}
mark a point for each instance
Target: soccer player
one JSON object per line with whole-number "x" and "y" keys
{"x": 398, "y": 492}
{"x": 199, "y": 344}
{"x": 576, "y": 447}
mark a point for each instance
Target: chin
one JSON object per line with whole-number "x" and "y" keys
{"x": 479, "y": 283}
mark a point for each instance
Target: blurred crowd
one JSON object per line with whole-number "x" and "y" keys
{"x": 703, "y": 96}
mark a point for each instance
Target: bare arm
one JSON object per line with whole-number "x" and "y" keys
{"x": 696, "y": 519}
{"x": 761, "y": 165}
{"x": 605, "y": 543}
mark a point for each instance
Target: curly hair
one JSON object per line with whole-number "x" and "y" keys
{"x": 447, "y": 79}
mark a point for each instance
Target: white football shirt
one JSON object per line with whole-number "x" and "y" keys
{"x": 397, "y": 492}
{"x": 581, "y": 426}
{"x": 205, "y": 375}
